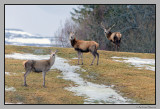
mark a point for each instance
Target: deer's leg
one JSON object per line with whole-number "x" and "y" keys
{"x": 94, "y": 56}
{"x": 115, "y": 47}
{"x": 82, "y": 58}
{"x": 44, "y": 74}
{"x": 118, "y": 48}
{"x": 112, "y": 46}
{"x": 25, "y": 75}
{"x": 119, "y": 44}
{"x": 79, "y": 53}
{"x": 97, "y": 57}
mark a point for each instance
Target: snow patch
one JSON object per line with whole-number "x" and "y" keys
{"x": 74, "y": 58}
{"x": 9, "y": 73}
{"x": 10, "y": 89}
{"x": 14, "y": 103}
{"x": 27, "y": 56}
{"x": 94, "y": 93}
{"x": 98, "y": 94}
{"x": 148, "y": 64}
{"x": 29, "y": 40}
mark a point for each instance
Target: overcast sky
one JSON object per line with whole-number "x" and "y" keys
{"x": 37, "y": 19}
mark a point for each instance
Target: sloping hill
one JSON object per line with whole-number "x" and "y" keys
{"x": 115, "y": 70}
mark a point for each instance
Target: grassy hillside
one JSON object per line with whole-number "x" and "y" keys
{"x": 134, "y": 83}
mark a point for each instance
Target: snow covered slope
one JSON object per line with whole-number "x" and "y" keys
{"x": 19, "y": 37}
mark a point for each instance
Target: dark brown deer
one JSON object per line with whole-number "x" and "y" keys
{"x": 114, "y": 37}
{"x": 82, "y": 46}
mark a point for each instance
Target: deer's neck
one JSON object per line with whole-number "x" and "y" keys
{"x": 73, "y": 42}
{"x": 51, "y": 60}
{"x": 108, "y": 34}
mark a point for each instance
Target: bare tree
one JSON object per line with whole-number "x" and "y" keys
{"x": 62, "y": 33}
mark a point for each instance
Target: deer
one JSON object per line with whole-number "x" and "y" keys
{"x": 114, "y": 37}
{"x": 39, "y": 66}
{"x": 82, "y": 46}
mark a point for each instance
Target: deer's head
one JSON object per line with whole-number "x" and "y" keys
{"x": 53, "y": 54}
{"x": 71, "y": 35}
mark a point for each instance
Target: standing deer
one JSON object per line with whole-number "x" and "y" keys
{"x": 82, "y": 46}
{"x": 114, "y": 37}
{"x": 39, "y": 66}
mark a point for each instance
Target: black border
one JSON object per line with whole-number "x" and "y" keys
{"x": 82, "y": 104}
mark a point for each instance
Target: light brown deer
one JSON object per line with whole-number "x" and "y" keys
{"x": 82, "y": 46}
{"x": 39, "y": 66}
{"x": 114, "y": 37}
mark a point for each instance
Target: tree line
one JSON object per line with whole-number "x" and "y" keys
{"x": 135, "y": 22}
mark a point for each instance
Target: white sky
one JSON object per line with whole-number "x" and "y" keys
{"x": 37, "y": 19}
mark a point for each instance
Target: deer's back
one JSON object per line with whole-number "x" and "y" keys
{"x": 85, "y": 45}
{"x": 37, "y": 65}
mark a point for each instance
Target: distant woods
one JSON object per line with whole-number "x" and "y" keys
{"x": 135, "y": 22}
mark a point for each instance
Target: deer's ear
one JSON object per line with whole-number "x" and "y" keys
{"x": 51, "y": 52}
{"x": 55, "y": 51}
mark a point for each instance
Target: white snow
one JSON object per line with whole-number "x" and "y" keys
{"x": 26, "y": 56}
{"x": 29, "y": 40}
{"x": 14, "y": 103}
{"x": 9, "y": 88}
{"x": 148, "y": 64}
{"x": 9, "y": 73}
{"x": 93, "y": 93}
{"x": 99, "y": 94}
{"x": 74, "y": 58}
{"x": 21, "y": 38}
{"x": 18, "y": 32}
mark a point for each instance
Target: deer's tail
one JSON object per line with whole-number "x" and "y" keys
{"x": 24, "y": 63}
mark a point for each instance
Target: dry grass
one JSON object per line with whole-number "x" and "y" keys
{"x": 137, "y": 84}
